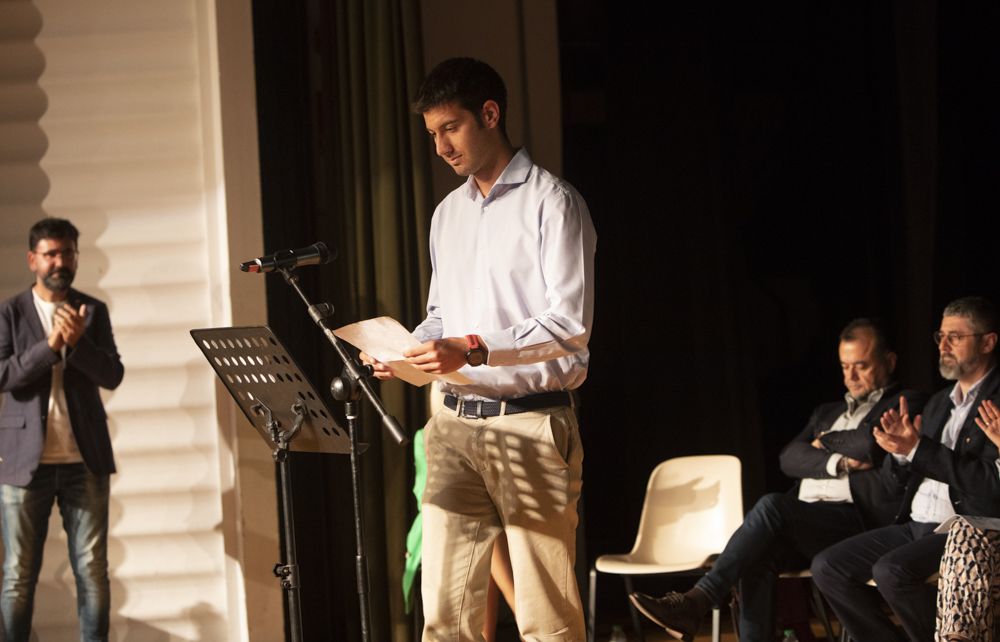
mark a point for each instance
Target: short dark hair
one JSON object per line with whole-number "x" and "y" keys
{"x": 883, "y": 343}
{"x": 466, "y": 81}
{"x": 52, "y": 228}
{"x": 979, "y": 310}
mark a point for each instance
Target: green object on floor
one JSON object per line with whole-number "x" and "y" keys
{"x": 415, "y": 537}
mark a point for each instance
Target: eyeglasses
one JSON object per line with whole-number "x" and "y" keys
{"x": 67, "y": 255}
{"x": 953, "y": 338}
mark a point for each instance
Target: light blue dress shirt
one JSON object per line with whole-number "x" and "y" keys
{"x": 515, "y": 267}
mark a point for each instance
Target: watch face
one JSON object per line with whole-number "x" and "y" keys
{"x": 475, "y": 357}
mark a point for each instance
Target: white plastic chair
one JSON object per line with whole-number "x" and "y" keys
{"x": 692, "y": 507}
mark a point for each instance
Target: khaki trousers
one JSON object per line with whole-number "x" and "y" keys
{"x": 520, "y": 473}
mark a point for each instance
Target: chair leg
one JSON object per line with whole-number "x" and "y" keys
{"x": 716, "y": 624}
{"x": 734, "y": 611}
{"x": 636, "y": 620}
{"x": 592, "y": 605}
{"x": 820, "y": 609}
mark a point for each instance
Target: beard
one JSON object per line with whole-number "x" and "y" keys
{"x": 59, "y": 280}
{"x": 952, "y": 369}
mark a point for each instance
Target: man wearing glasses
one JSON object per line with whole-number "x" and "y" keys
{"x": 56, "y": 351}
{"x": 838, "y": 495}
{"x": 947, "y": 465}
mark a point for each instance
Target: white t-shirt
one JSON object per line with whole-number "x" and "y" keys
{"x": 60, "y": 444}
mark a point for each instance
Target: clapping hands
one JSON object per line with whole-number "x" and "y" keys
{"x": 898, "y": 434}
{"x": 68, "y": 325}
{"x": 989, "y": 421}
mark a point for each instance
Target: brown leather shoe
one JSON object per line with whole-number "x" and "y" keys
{"x": 675, "y": 613}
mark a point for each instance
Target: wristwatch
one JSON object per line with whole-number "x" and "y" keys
{"x": 476, "y": 354}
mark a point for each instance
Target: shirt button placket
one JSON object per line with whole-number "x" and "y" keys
{"x": 482, "y": 263}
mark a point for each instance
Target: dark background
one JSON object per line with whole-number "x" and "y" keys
{"x": 758, "y": 174}
{"x": 752, "y": 173}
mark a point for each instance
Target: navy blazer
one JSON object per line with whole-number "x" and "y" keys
{"x": 969, "y": 470}
{"x": 26, "y": 378}
{"x": 877, "y": 500}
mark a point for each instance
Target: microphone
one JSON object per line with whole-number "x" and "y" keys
{"x": 315, "y": 254}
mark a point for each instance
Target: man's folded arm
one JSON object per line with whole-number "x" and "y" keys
{"x": 800, "y": 459}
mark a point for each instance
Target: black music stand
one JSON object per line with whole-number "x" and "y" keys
{"x": 284, "y": 408}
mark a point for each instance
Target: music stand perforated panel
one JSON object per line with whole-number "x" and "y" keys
{"x": 255, "y": 367}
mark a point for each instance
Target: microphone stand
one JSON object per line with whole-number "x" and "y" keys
{"x": 348, "y": 387}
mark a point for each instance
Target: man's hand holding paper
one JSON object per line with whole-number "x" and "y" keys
{"x": 392, "y": 351}
{"x": 440, "y": 356}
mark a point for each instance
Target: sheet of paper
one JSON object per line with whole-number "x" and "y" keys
{"x": 385, "y": 339}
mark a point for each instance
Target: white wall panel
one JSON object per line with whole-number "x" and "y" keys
{"x": 23, "y": 184}
{"x": 158, "y": 429}
{"x": 111, "y": 116}
{"x": 125, "y": 159}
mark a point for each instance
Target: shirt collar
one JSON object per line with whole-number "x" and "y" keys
{"x": 956, "y": 392}
{"x": 872, "y": 397}
{"x": 514, "y": 174}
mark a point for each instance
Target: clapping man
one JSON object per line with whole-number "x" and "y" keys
{"x": 56, "y": 351}
{"x": 947, "y": 466}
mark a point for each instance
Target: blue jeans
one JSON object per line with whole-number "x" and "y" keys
{"x": 780, "y": 533}
{"x": 83, "y": 503}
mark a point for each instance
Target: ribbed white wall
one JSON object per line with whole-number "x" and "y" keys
{"x": 23, "y": 184}
{"x": 103, "y": 121}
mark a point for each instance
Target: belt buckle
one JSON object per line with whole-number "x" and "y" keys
{"x": 468, "y": 414}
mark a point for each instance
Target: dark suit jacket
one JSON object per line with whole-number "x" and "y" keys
{"x": 876, "y": 497}
{"x": 969, "y": 470}
{"x": 26, "y": 377}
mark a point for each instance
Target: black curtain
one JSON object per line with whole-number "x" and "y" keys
{"x": 344, "y": 161}
{"x": 759, "y": 174}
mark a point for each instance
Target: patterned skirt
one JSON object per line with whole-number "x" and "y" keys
{"x": 969, "y": 586}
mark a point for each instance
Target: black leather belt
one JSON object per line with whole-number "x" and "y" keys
{"x": 478, "y": 409}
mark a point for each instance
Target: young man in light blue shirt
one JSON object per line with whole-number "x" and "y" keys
{"x": 510, "y": 305}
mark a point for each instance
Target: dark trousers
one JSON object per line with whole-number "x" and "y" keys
{"x": 899, "y": 558}
{"x": 779, "y": 533}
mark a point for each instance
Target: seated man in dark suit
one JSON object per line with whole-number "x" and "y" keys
{"x": 56, "y": 351}
{"x": 946, "y": 464}
{"x": 839, "y": 495}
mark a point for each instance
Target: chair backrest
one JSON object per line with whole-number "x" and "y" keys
{"x": 692, "y": 506}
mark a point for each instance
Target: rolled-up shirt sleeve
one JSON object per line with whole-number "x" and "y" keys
{"x": 568, "y": 244}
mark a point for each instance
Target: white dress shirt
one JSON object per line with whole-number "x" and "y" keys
{"x": 838, "y": 488}
{"x": 517, "y": 269}
{"x": 932, "y": 503}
